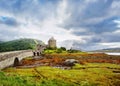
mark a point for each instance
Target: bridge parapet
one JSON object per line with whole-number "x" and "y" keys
{"x": 7, "y": 59}
{"x": 6, "y": 55}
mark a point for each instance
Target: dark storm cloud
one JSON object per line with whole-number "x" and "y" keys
{"x": 107, "y": 25}
{"x": 8, "y": 21}
{"x": 37, "y": 9}
{"x": 93, "y": 16}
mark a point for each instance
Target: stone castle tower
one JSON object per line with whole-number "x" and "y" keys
{"x": 52, "y": 43}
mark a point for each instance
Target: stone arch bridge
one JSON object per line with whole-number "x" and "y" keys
{"x": 12, "y": 58}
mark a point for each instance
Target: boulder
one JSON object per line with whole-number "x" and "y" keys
{"x": 70, "y": 62}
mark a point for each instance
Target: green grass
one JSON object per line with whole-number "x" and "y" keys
{"x": 91, "y": 74}
{"x": 101, "y": 65}
{"x": 18, "y": 80}
{"x": 61, "y": 51}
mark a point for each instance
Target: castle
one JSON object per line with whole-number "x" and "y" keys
{"x": 40, "y": 48}
{"x": 52, "y": 43}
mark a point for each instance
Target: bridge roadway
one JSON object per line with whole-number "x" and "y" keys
{"x": 12, "y": 58}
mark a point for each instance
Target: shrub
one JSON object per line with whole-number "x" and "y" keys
{"x": 59, "y": 50}
{"x": 63, "y": 48}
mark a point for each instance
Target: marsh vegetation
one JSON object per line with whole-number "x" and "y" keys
{"x": 90, "y": 70}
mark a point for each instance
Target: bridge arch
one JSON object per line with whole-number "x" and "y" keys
{"x": 16, "y": 62}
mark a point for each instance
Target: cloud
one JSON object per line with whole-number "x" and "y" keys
{"x": 118, "y": 23}
{"x": 80, "y": 23}
{"x": 8, "y": 21}
{"x": 98, "y": 19}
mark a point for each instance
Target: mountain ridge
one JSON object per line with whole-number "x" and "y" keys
{"x": 19, "y": 44}
{"x": 117, "y": 49}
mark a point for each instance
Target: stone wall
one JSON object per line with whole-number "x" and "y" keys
{"x": 8, "y": 58}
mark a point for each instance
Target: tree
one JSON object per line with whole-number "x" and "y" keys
{"x": 63, "y": 48}
{"x": 73, "y": 51}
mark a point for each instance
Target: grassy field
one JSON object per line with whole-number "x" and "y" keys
{"x": 90, "y": 74}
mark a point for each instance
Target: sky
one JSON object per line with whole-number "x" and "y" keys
{"x": 80, "y": 24}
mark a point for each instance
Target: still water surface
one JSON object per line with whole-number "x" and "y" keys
{"x": 113, "y": 53}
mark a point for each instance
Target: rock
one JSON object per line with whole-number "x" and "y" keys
{"x": 70, "y": 62}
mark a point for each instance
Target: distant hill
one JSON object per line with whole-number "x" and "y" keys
{"x": 20, "y": 44}
{"x": 108, "y": 50}
{"x": 1, "y": 41}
